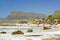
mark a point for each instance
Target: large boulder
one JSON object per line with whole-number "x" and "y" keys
{"x": 17, "y": 32}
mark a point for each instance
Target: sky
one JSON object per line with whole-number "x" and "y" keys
{"x": 36, "y": 6}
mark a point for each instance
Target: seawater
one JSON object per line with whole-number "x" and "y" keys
{"x": 9, "y": 36}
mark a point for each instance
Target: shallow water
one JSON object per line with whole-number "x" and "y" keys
{"x": 9, "y": 30}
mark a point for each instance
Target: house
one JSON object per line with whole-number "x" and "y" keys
{"x": 57, "y": 21}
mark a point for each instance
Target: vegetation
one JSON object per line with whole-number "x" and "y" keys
{"x": 56, "y": 14}
{"x": 50, "y": 17}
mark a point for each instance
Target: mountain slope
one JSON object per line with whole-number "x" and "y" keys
{"x": 24, "y": 15}
{"x": 56, "y": 14}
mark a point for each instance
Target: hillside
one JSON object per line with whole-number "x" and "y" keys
{"x": 24, "y": 15}
{"x": 56, "y": 14}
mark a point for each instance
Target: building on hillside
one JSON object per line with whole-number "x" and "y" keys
{"x": 49, "y": 21}
{"x": 43, "y": 21}
{"x": 22, "y": 21}
{"x": 57, "y": 21}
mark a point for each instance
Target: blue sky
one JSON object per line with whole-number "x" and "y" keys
{"x": 35, "y": 6}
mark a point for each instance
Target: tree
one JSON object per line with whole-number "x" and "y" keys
{"x": 50, "y": 19}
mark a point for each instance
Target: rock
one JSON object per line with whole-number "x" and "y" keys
{"x": 46, "y": 28}
{"x": 29, "y": 30}
{"x": 3, "y": 32}
{"x": 17, "y": 32}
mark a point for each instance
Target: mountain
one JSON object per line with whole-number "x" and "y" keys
{"x": 15, "y": 15}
